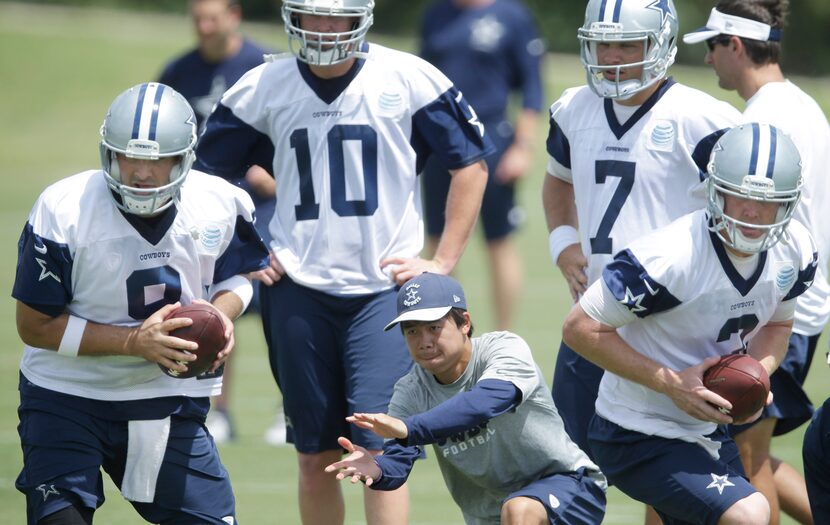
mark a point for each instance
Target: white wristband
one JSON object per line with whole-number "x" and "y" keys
{"x": 560, "y": 238}
{"x": 71, "y": 340}
{"x": 237, "y": 284}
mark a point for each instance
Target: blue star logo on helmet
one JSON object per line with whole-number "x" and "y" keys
{"x": 664, "y": 6}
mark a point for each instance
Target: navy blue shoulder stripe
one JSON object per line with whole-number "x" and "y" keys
{"x": 804, "y": 280}
{"x": 246, "y": 253}
{"x": 558, "y": 145}
{"x": 43, "y": 279}
{"x": 631, "y": 285}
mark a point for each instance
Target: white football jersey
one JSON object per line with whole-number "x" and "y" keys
{"x": 692, "y": 303}
{"x": 79, "y": 252}
{"x": 788, "y": 108}
{"x": 632, "y": 177}
{"x": 345, "y": 153}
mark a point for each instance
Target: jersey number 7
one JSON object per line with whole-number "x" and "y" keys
{"x": 602, "y": 241}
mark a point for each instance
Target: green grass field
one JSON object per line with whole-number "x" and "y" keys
{"x": 62, "y": 67}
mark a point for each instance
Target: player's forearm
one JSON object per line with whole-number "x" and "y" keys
{"x": 558, "y": 202}
{"x": 524, "y": 132}
{"x": 41, "y": 331}
{"x": 602, "y": 345}
{"x": 463, "y": 204}
{"x": 488, "y": 399}
{"x": 770, "y": 344}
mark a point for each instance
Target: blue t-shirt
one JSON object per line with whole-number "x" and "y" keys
{"x": 203, "y": 83}
{"x": 501, "y": 39}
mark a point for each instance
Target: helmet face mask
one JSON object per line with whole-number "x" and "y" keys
{"x": 323, "y": 48}
{"x": 148, "y": 122}
{"x": 756, "y": 162}
{"x": 652, "y": 22}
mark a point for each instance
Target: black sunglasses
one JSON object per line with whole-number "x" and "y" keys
{"x": 719, "y": 39}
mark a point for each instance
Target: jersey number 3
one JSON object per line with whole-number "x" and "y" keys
{"x": 309, "y": 208}
{"x": 602, "y": 241}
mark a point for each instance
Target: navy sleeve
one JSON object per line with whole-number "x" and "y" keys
{"x": 703, "y": 151}
{"x": 489, "y": 398}
{"x": 395, "y": 464}
{"x": 449, "y": 128}
{"x": 804, "y": 280}
{"x": 558, "y": 146}
{"x": 43, "y": 279}
{"x": 229, "y": 146}
{"x": 633, "y": 286}
{"x": 246, "y": 253}
{"x": 529, "y": 49}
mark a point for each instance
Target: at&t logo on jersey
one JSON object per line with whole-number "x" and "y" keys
{"x": 785, "y": 278}
{"x": 662, "y": 136}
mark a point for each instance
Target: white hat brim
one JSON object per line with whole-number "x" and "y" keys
{"x": 700, "y": 35}
{"x": 424, "y": 314}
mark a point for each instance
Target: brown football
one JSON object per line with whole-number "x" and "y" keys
{"x": 741, "y": 380}
{"x": 207, "y": 330}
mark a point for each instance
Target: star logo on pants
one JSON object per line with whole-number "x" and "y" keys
{"x": 47, "y": 489}
{"x": 719, "y": 482}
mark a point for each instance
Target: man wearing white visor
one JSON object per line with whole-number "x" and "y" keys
{"x": 744, "y": 49}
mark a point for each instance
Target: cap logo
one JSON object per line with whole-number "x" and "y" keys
{"x": 412, "y": 298}
{"x": 456, "y": 299}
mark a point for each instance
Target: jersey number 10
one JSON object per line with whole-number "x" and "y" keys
{"x": 309, "y": 208}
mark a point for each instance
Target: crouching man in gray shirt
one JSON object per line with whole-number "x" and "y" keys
{"x": 485, "y": 408}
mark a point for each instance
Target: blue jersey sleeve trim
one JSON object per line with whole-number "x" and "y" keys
{"x": 449, "y": 128}
{"x": 631, "y": 285}
{"x": 703, "y": 151}
{"x": 229, "y": 146}
{"x": 44, "y": 271}
{"x": 489, "y": 398}
{"x": 529, "y": 64}
{"x": 395, "y": 464}
{"x": 558, "y": 145}
{"x": 246, "y": 253}
{"x": 804, "y": 280}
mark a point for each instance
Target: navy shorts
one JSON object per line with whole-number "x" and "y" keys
{"x": 570, "y": 498}
{"x": 680, "y": 480}
{"x": 66, "y": 440}
{"x": 816, "y": 455}
{"x": 499, "y": 215}
{"x": 790, "y": 404}
{"x": 575, "y": 387}
{"x": 332, "y": 358}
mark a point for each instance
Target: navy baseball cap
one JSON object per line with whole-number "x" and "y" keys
{"x": 428, "y": 297}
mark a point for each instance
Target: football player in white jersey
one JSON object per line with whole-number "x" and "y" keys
{"x": 105, "y": 256}
{"x": 744, "y": 47}
{"x": 669, "y": 305}
{"x": 628, "y": 154}
{"x": 345, "y": 126}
